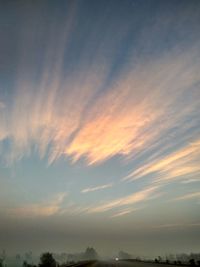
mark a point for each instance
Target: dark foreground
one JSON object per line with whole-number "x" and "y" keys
{"x": 125, "y": 264}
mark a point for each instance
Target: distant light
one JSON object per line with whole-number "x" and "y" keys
{"x": 116, "y": 259}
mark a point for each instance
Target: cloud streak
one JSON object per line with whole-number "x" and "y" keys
{"x": 188, "y": 196}
{"x": 40, "y": 210}
{"x": 125, "y": 212}
{"x": 190, "y": 181}
{"x": 177, "y": 165}
{"x": 96, "y": 188}
{"x": 130, "y": 200}
{"x": 177, "y": 225}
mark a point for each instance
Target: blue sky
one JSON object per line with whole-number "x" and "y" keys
{"x": 100, "y": 125}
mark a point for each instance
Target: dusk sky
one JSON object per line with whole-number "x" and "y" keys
{"x": 100, "y": 126}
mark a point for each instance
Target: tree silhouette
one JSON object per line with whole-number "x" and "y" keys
{"x": 192, "y": 262}
{"x": 25, "y": 264}
{"x": 123, "y": 255}
{"x": 47, "y": 260}
{"x": 90, "y": 254}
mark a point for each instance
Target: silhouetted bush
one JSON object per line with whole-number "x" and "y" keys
{"x": 26, "y": 264}
{"x": 124, "y": 255}
{"x": 47, "y": 260}
{"x": 192, "y": 262}
{"x": 90, "y": 254}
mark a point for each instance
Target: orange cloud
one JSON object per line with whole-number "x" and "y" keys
{"x": 176, "y": 165}
{"x": 74, "y": 117}
{"x": 129, "y": 200}
{"x": 42, "y": 209}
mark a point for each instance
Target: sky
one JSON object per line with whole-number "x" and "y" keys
{"x": 100, "y": 126}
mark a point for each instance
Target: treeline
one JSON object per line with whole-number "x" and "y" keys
{"x": 48, "y": 259}
{"x": 84, "y": 258}
{"x": 191, "y": 259}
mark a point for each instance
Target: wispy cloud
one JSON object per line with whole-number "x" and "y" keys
{"x": 132, "y": 118}
{"x": 122, "y": 213}
{"x": 125, "y": 212}
{"x": 74, "y": 209}
{"x": 100, "y": 187}
{"x": 129, "y": 200}
{"x": 189, "y": 181}
{"x": 179, "y": 164}
{"x": 177, "y": 225}
{"x": 72, "y": 117}
{"x": 189, "y": 196}
{"x": 49, "y": 208}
